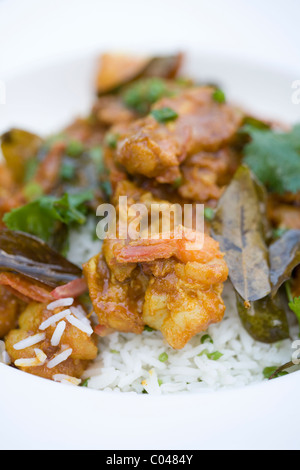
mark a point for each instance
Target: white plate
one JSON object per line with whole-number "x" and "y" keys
{"x": 39, "y": 414}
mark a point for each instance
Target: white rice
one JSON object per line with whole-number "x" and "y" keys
{"x": 66, "y": 379}
{"x": 63, "y": 356}
{"x": 79, "y": 325}
{"x": 30, "y": 341}
{"x": 54, "y": 319}
{"x": 79, "y": 313}
{"x": 60, "y": 303}
{"x": 39, "y": 360}
{"x": 130, "y": 363}
{"x": 58, "y": 332}
{"x": 4, "y": 356}
{"x": 83, "y": 244}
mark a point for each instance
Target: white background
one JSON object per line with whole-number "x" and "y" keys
{"x": 266, "y": 30}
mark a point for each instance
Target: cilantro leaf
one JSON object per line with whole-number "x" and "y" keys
{"x": 142, "y": 94}
{"x": 164, "y": 114}
{"x": 219, "y": 96}
{"x": 41, "y": 216}
{"x": 275, "y": 158}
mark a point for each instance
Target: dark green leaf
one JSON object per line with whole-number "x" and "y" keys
{"x": 40, "y": 217}
{"x": 275, "y": 158}
{"x": 238, "y": 226}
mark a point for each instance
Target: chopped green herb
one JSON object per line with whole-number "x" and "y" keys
{"x": 164, "y": 115}
{"x": 85, "y": 383}
{"x": 206, "y": 338}
{"x": 40, "y": 216}
{"x": 205, "y": 352}
{"x": 209, "y": 213}
{"x": 53, "y": 139}
{"x": 160, "y": 382}
{"x": 214, "y": 356}
{"x": 74, "y": 148}
{"x": 269, "y": 371}
{"x": 278, "y": 232}
{"x": 219, "y": 96}
{"x": 148, "y": 328}
{"x": 30, "y": 169}
{"x": 142, "y": 94}
{"x": 32, "y": 191}
{"x": 274, "y": 158}
{"x": 67, "y": 171}
{"x": 96, "y": 155}
{"x": 106, "y": 188}
{"x": 177, "y": 183}
{"x": 163, "y": 357}
{"x": 114, "y": 351}
{"x": 112, "y": 140}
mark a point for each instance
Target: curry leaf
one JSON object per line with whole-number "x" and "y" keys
{"x": 238, "y": 226}
{"x": 27, "y": 255}
{"x": 284, "y": 257}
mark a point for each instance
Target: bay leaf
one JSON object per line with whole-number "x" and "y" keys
{"x": 284, "y": 258}
{"x": 239, "y": 228}
{"x": 27, "y": 255}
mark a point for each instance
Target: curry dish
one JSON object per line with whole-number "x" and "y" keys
{"x": 156, "y": 137}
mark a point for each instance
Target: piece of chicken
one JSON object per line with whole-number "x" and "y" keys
{"x": 156, "y": 149}
{"x": 10, "y": 308}
{"x": 83, "y": 345}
